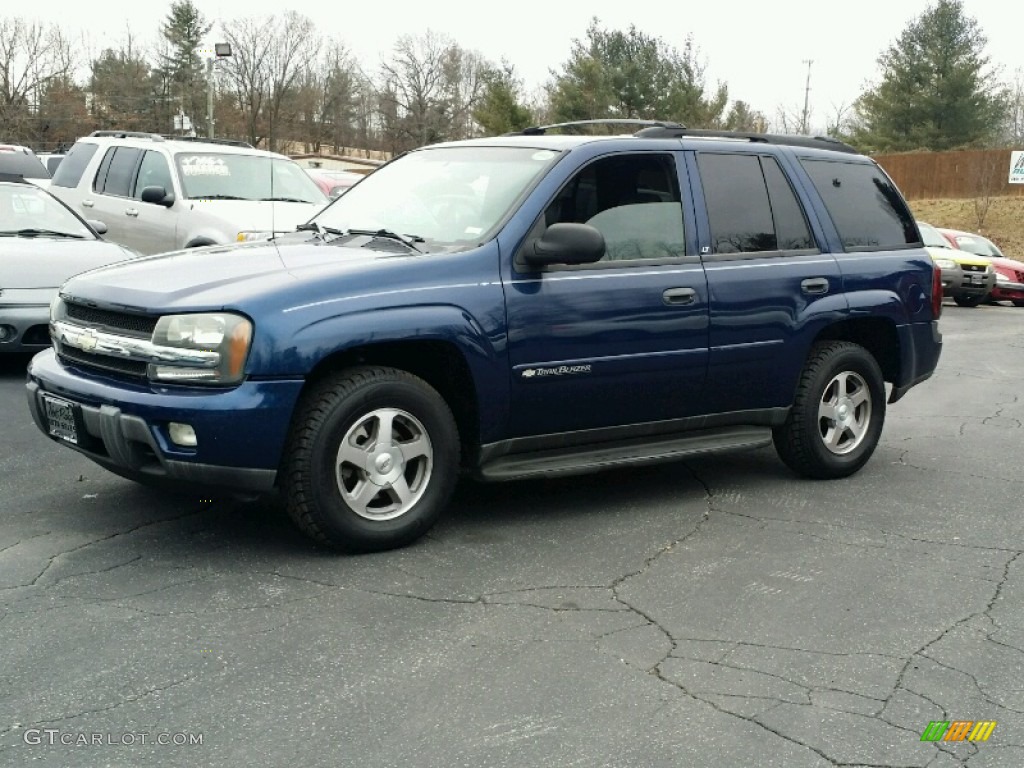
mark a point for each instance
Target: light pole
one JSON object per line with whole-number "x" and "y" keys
{"x": 807, "y": 96}
{"x": 221, "y": 51}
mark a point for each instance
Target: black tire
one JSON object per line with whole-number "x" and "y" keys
{"x": 802, "y": 441}
{"x": 968, "y": 301}
{"x": 1018, "y": 302}
{"x": 321, "y": 490}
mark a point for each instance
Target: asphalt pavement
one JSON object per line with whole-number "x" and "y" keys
{"x": 717, "y": 612}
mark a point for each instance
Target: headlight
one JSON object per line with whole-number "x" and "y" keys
{"x": 945, "y": 263}
{"x": 1001, "y": 278}
{"x": 989, "y": 269}
{"x": 224, "y": 333}
{"x": 254, "y": 236}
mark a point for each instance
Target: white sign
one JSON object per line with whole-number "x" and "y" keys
{"x": 1017, "y": 167}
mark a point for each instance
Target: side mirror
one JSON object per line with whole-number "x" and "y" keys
{"x": 157, "y": 196}
{"x": 566, "y": 244}
{"x": 98, "y": 226}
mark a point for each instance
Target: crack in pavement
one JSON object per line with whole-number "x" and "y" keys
{"x": 22, "y": 541}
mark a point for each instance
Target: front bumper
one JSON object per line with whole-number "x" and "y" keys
{"x": 123, "y": 426}
{"x": 24, "y": 328}
{"x": 970, "y": 287}
{"x": 1008, "y": 291}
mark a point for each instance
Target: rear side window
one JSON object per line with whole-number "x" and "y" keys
{"x": 751, "y": 206}
{"x": 865, "y": 206}
{"x": 71, "y": 168}
{"x": 117, "y": 172}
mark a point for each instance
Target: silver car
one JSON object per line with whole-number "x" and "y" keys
{"x": 42, "y": 244}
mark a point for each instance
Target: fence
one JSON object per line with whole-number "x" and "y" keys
{"x": 968, "y": 174}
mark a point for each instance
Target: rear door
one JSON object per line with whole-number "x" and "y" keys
{"x": 112, "y": 189}
{"x": 770, "y": 285}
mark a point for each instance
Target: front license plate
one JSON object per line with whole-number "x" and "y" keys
{"x": 978, "y": 279}
{"x": 60, "y": 415}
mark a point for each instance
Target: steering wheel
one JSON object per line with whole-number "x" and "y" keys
{"x": 454, "y": 212}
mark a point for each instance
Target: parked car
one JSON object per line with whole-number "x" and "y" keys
{"x": 333, "y": 183}
{"x": 511, "y": 307}
{"x": 158, "y": 194}
{"x": 966, "y": 277}
{"x": 42, "y": 244}
{"x": 1009, "y": 282}
{"x": 51, "y": 161}
{"x": 21, "y": 161}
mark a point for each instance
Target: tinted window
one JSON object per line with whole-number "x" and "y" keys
{"x": 24, "y": 164}
{"x": 737, "y": 201}
{"x": 791, "y": 228}
{"x": 633, "y": 200}
{"x": 120, "y": 172}
{"x": 71, "y": 168}
{"x": 867, "y": 210}
{"x": 153, "y": 172}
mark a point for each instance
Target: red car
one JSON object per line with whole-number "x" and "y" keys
{"x": 333, "y": 183}
{"x": 1009, "y": 272}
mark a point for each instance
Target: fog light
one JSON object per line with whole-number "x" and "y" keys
{"x": 182, "y": 434}
{"x": 7, "y": 333}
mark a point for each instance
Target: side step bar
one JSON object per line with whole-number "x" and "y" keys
{"x": 583, "y": 459}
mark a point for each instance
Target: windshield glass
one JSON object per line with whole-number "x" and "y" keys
{"x": 27, "y": 209}
{"x": 979, "y": 246}
{"x": 22, "y": 164}
{"x": 931, "y": 237}
{"x": 212, "y": 175}
{"x": 447, "y": 196}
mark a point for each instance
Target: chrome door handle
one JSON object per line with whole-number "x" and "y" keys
{"x": 814, "y": 285}
{"x": 679, "y": 296}
{"x": 87, "y": 203}
{"x": 133, "y": 212}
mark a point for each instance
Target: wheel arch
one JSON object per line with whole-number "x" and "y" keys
{"x": 878, "y": 335}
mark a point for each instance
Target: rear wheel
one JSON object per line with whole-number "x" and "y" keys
{"x": 836, "y": 419}
{"x": 968, "y": 301}
{"x": 372, "y": 460}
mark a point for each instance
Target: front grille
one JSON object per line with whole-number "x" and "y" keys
{"x": 140, "y": 326}
{"x": 1020, "y": 275}
{"x": 133, "y": 368}
{"x": 973, "y": 268}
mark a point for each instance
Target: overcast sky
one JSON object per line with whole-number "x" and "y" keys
{"x": 757, "y": 48}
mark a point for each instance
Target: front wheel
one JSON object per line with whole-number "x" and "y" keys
{"x": 372, "y": 460}
{"x": 1018, "y": 302}
{"x": 836, "y": 419}
{"x": 968, "y": 301}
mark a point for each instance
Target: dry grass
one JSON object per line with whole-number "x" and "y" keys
{"x": 1004, "y": 223}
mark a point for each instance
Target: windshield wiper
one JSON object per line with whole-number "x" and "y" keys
{"x": 30, "y": 232}
{"x": 407, "y": 240}
{"x": 219, "y": 197}
{"x": 282, "y": 200}
{"x": 322, "y": 231}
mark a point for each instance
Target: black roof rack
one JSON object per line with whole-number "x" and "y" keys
{"x": 815, "y": 142}
{"x": 128, "y": 135}
{"x": 540, "y": 130}
{"x": 203, "y": 140}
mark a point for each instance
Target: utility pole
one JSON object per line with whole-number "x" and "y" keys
{"x": 804, "y": 129}
{"x": 220, "y": 51}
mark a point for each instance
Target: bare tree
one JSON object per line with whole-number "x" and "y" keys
{"x": 412, "y": 89}
{"x": 986, "y": 179}
{"x": 1015, "y": 111}
{"x": 32, "y": 57}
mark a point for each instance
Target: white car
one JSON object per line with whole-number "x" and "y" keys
{"x": 17, "y": 160}
{"x": 157, "y": 194}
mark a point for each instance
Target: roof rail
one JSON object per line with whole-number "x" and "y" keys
{"x": 128, "y": 135}
{"x": 540, "y": 130}
{"x": 204, "y": 140}
{"x": 814, "y": 142}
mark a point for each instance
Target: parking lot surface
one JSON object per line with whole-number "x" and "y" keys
{"x": 714, "y": 612}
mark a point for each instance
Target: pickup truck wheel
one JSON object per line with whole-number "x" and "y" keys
{"x": 968, "y": 301}
{"x": 372, "y": 460}
{"x": 836, "y": 419}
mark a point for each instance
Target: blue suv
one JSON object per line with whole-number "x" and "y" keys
{"x": 527, "y": 305}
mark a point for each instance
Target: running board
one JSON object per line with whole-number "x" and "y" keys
{"x": 583, "y": 459}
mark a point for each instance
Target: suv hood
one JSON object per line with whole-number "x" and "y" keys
{"x": 258, "y": 216}
{"x": 46, "y": 262}
{"x": 960, "y": 257}
{"x": 227, "y": 275}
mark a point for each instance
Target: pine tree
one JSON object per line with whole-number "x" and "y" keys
{"x": 936, "y": 91}
{"x": 182, "y": 68}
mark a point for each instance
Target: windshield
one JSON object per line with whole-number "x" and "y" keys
{"x": 29, "y": 211}
{"x": 22, "y": 164}
{"x": 931, "y": 237}
{"x": 977, "y": 245}
{"x": 223, "y": 176}
{"x": 446, "y": 196}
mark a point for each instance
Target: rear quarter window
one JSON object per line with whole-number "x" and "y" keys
{"x": 865, "y": 206}
{"x": 71, "y": 168}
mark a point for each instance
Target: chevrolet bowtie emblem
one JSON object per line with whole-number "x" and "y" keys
{"x": 87, "y": 340}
